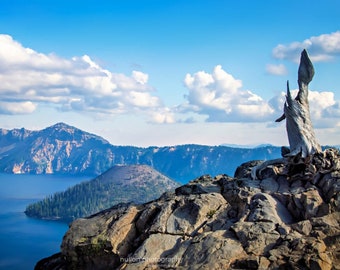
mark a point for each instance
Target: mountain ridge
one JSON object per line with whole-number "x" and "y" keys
{"x": 65, "y": 149}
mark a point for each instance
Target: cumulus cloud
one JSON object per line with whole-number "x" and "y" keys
{"x": 29, "y": 78}
{"x": 163, "y": 116}
{"x": 220, "y": 97}
{"x": 276, "y": 69}
{"x": 324, "y": 109}
{"x": 320, "y": 48}
{"x": 25, "y": 107}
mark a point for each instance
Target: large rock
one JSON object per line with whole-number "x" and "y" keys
{"x": 286, "y": 218}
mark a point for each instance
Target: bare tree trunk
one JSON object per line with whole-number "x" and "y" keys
{"x": 299, "y": 127}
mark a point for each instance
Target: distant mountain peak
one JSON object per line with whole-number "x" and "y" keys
{"x": 62, "y": 125}
{"x": 60, "y": 148}
{"x": 64, "y": 129}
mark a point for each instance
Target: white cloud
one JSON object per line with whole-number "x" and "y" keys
{"x": 324, "y": 109}
{"x": 142, "y": 99}
{"x": 320, "y": 48}
{"x": 276, "y": 69}
{"x": 29, "y": 78}
{"x": 220, "y": 97}
{"x": 140, "y": 77}
{"x": 25, "y": 107}
{"x": 163, "y": 116}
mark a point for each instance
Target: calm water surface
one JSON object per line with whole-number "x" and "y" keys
{"x": 23, "y": 240}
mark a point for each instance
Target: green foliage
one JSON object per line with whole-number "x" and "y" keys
{"x": 90, "y": 197}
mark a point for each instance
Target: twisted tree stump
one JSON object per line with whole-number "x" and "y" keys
{"x": 299, "y": 127}
{"x": 301, "y": 136}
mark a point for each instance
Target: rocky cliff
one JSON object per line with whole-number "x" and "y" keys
{"x": 286, "y": 218}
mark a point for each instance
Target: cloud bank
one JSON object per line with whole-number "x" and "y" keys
{"x": 220, "y": 98}
{"x": 29, "y": 78}
{"x": 320, "y": 48}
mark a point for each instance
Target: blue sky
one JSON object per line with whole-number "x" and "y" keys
{"x": 167, "y": 72}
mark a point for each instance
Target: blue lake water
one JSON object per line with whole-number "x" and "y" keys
{"x": 23, "y": 240}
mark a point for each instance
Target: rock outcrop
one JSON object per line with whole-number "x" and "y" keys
{"x": 286, "y": 218}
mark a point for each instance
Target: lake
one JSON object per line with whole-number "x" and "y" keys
{"x": 23, "y": 240}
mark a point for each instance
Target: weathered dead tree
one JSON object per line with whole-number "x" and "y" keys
{"x": 301, "y": 136}
{"x": 299, "y": 127}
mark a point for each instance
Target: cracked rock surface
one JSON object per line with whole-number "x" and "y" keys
{"x": 286, "y": 218}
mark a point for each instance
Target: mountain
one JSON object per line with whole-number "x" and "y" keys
{"x": 65, "y": 149}
{"x": 246, "y": 145}
{"x": 186, "y": 162}
{"x": 288, "y": 217}
{"x": 120, "y": 184}
{"x": 56, "y": 149}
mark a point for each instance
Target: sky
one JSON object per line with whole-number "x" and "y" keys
{"x": 168, "y": 72}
